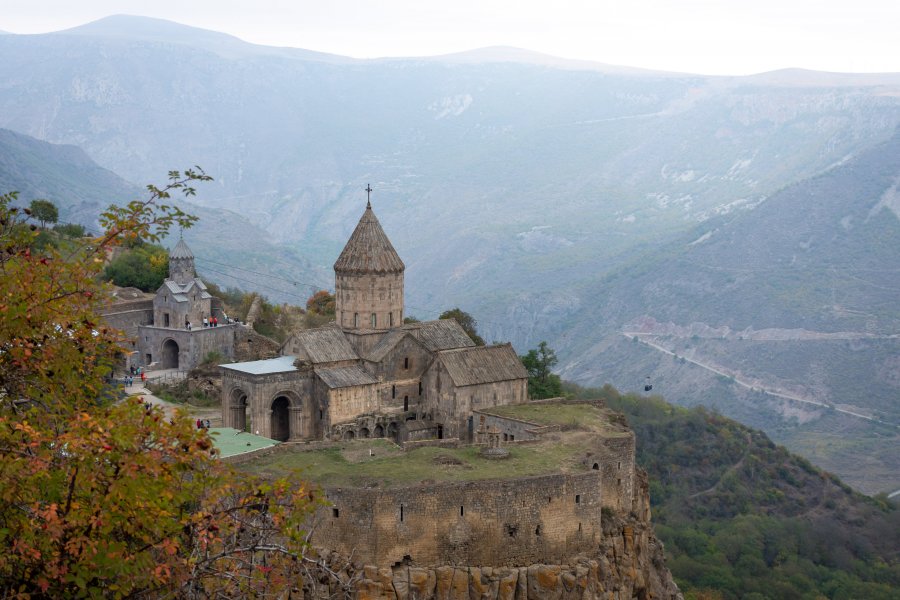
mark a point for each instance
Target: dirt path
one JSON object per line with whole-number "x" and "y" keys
{"x": 214, "y": 413}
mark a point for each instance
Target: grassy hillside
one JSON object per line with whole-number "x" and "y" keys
{"x": 744, "y": 518}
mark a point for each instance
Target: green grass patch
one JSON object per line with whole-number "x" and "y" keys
{"x": 587, "y": 417}
{"x": 351, "y": 464}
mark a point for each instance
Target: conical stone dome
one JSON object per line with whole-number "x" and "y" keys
{"x": 369, "y": 250}
{"x": 181, "y": 250}
{"x": 368, "y": 279}
{"x": 181, "y": 263}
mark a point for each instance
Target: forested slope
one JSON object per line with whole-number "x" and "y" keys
{"x": 745, "y": 518}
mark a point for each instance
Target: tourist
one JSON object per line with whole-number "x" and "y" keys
{"x": 205, "y": 322}
{"x": 199, "y": 424}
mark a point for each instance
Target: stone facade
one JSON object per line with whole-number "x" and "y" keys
{"x": 171, "y": 348}
{"x": 501, "y": 523}
{"x": 377, "y": 378}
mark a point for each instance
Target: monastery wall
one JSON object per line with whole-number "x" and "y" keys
{"x": 614, "y": 458}
{"x": 547, "y": 519}
{"x": 127, "y": 316}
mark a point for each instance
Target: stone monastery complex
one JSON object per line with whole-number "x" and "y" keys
{"x": 368, "y": 374}
{"x": 431, "y": 497}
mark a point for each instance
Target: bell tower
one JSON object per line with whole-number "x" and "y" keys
{"x": 181, "y": 264}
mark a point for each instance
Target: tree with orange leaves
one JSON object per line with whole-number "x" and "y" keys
{"x": 106, "y": 498}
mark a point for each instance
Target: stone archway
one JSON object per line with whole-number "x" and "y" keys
{"x": 379, "y": 431}
{"x": 364, "y": 432}
{"x": 170, "y": 354}
{"x": 349, "y": 435}
{"x": 281, "y": 419}
{"x": 238, "y": 407}
{"x": 393, "y": 431}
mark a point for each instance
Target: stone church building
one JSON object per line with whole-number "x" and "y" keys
{"x": 174, "y": 337}
{"x": 369, "y": 374}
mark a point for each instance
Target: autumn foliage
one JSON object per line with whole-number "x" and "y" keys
{"x": 103, "y": 497}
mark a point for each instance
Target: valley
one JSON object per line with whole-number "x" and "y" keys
{"x": 570, "y": 203}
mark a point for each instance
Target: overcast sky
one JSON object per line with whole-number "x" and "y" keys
{"x": 700, "y": 36}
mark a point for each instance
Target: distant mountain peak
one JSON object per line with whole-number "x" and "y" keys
{"x": 140, "y": 28}
{"x": 512, "y": 54}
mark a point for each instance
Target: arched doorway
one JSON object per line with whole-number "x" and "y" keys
{"x": 392, "y": 431}
{"x": 239, "y": 410}
{"x": 364, "y": 432}
{"x": 379, "y": 431}
{"x": 170, "y": 354}
{"x": 349, "y": 435}
{"x": 281, "y": 419}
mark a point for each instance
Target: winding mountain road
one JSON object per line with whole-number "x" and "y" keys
{"x": 638, "y": 335}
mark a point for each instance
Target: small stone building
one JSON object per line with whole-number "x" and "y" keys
{"x": 368, "y": 374}
{"x": 176, "y": 338}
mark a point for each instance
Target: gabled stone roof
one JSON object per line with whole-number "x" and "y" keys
{"x": 341, "y": 377}
{"x": 442, "y": 334}
{"x": 483, "y": 364}
{"x": 181, "y": 250}
{"x": 369, "y": 250}
{"x": 179, "y": 291}
{"x": 321, "y": 345}
{"x": 385, "y": 345}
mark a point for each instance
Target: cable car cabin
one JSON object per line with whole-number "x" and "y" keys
{"x": 648, "y": 387}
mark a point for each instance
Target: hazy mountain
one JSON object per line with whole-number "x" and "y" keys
{"x": 534, "y": 192}
{"x": 145, "y": 29}
{"x": 82, "y": 190}
{"x": 797, "y": 297}
{"x": 62, "y": 174}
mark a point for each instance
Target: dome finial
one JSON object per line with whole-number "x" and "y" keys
{"x": 368, "y": 196}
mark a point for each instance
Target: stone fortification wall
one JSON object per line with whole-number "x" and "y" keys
{"x": 510, "y": 522}
{"x": 627, "y": 564}
{"x": 512, "y": 429}
{"x": 127, "y": 316}
{"x": 249, "y": 345}
{"x": 614, "y": 458}
{"x": 611, "y": 454}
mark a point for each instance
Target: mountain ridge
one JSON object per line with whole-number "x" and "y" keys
{"x": 517, "y": 192}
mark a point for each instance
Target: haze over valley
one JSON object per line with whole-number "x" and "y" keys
{"x": 735, "y": 239}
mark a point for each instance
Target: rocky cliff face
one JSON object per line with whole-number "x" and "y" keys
{"x": 629, "y": 564}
